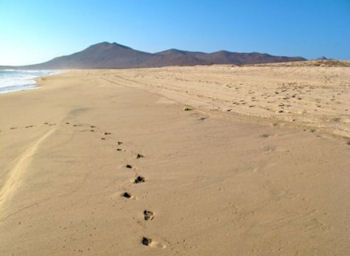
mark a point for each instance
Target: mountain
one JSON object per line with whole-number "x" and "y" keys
{"x": 102, "y": 55}
{"x": 113, "y": 55}
{"x": 174, "y": 57}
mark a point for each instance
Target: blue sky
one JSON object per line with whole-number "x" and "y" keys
{"x": 33, "y": 31}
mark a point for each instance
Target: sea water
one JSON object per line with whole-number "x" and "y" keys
{"x": 18, "y": 80}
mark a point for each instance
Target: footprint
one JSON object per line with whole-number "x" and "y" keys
{"x": 92, "y": 130}
{"x": 138, "y": 156}
{"x": 67, "y": 122}
{"x": 146, "y": 241}
{"x": 126, "y": 195}
{"x": 107, "y": 133}
{"x": 148, "y": 215}
{"x": 128, "y": 166}
{"x": 103, "y": 138}
{"x": 29, "y": 126}
{"x": 139, "y": 179}
{"x": 265, "y": 135}
{"x": 187, "y": 108}
{"x": 119, "y": 149}
{"x": 119, "y": 142}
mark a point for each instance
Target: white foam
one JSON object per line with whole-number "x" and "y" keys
{"x": 17, "y": 80}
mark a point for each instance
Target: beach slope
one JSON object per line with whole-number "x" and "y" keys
{"x": 215, "y": 160}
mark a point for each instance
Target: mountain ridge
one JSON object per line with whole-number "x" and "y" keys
{"x": 114, "y": 55}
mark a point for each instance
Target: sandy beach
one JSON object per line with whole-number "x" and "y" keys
{"x": 203, "y": 160}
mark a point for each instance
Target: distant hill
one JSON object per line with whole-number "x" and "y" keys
{"x": 310, "y": 63}
{"x": 102, "y": 55}
{"x": 113, "y": 55}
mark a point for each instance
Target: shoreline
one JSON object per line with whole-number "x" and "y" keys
{"x": 24, "y": 80}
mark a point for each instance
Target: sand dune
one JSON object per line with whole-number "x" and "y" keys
{"x": 177, "y": 161}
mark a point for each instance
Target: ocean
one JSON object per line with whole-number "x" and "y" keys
{"x": 18, "y": 80}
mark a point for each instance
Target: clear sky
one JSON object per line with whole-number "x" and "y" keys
{"x": 33, "y": 31}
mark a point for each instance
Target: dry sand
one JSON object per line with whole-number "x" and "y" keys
{"x": 259, "y": 165}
